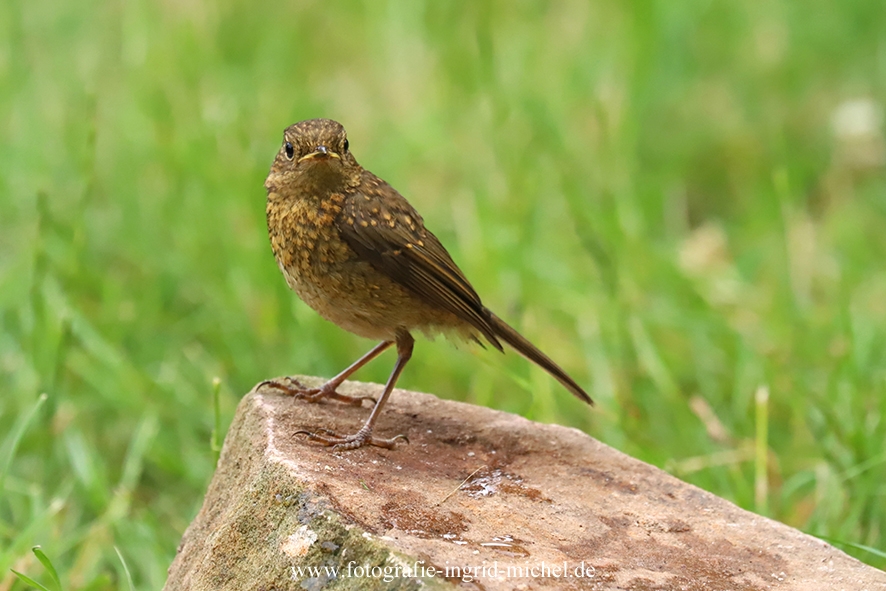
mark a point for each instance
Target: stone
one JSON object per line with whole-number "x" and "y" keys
{"x": 478, "y": 499}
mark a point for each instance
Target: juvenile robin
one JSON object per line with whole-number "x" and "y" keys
{"x": 357, "y": 252}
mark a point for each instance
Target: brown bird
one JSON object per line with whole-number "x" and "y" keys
{"x": 357, "y": 252}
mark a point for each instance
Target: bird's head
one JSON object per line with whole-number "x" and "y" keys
{"x": 314, "y": 152}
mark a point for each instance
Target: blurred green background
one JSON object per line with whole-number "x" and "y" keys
{"x": 682, "y": 202}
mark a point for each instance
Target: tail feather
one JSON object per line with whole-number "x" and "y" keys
{"x": 532, "y": 353}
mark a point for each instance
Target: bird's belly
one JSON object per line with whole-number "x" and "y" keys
{"x": 329, "y": 276}
{"x": 353, "y": 296}
{"x": 349, "y": 292}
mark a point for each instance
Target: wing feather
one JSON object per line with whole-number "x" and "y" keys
{"x": 381, "y": 226}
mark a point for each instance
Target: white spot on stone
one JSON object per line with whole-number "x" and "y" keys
{"x": 300, "y": 542}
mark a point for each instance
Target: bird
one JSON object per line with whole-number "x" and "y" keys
{"x": 358, "y": 253}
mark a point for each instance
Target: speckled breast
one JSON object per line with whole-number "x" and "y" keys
{"x": 323, "y": 270}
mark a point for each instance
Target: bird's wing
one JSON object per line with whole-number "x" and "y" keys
{"x": 383, "y": 228}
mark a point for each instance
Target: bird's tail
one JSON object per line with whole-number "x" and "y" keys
{"x": 532, "y": 353}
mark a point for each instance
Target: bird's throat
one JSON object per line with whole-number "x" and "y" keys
{"x": 321, "y": 178}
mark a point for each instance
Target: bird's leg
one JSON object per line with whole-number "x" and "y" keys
{"x": 327, "y": 390}
{"x": 364, "y": 436}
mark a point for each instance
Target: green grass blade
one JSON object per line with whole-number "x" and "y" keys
{"x": 12, "y": 441}
{"x": 125, "y": 568}
{"x": 215, "y": 443}
{"x": 761, "y": 450}
{"x": 47, "y": 564}
{"x": 863, "y": 547}
{"x": 36, "y": 524}
{"x": 29, "y": 581}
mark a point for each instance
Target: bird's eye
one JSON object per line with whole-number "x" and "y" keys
{"x": 290, "y": 151}
{"x": 346, "y": 145}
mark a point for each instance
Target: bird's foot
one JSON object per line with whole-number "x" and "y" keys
{"x": 361, "y": 438}
{"x": 296, "y": 389}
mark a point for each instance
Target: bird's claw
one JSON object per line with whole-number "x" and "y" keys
{"x": 296, "y": 389}
{"x": 359, "y": 439}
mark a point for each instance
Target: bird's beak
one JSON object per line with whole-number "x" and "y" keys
{"x": 321, "y": 152}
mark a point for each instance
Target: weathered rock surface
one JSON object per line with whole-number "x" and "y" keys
{"x": 540, "y": 506}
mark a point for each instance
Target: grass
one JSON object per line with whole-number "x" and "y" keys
{"x": 684, "y": 203}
